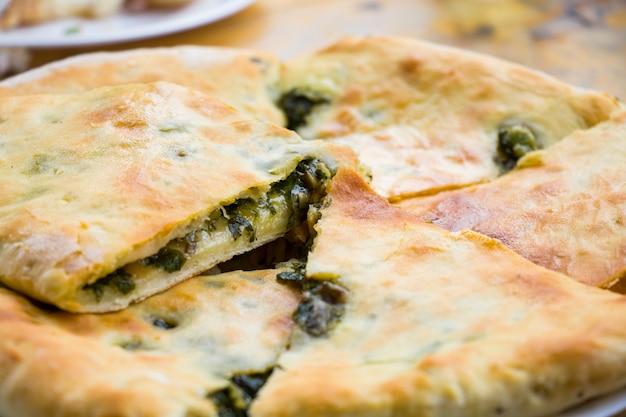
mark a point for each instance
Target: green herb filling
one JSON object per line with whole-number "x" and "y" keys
{"x": 306, "y": 185}
{"x": 119, "y": 280}
{"x": 297, "y": 104}
{"x": 513, "y": 143}
{"x": 234, "y": 400}
{"x": 322, "y": 307}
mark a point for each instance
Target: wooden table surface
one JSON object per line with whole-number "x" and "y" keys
{"x": 580, "y": 41}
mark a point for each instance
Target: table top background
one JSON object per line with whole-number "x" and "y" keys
{"x": 579, "y": 41}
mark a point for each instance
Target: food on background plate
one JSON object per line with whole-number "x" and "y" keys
{"x": 32, "y": 12}
{"x": 427, "y": 117}
{"x": 563, "y": 208}
{"x": 402, "y": 318}
{"x": 120, "y": 192}
{"x": 247, "y": 80}
{"x": 180, "y": 353}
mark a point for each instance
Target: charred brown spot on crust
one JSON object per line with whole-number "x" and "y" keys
{"x": 616, "y": 284}
{"x": 128, "y": 123}
{"x": 409, "y": 65}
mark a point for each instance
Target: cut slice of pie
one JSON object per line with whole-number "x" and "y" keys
{"x": 186, "y": 352}
{"x": 427, "y": 117}
{"x": 402, "y": 318}
{"x": 247, "y": 80}
{"x": 563, "y": 208}
{"x": 118, "y": 193}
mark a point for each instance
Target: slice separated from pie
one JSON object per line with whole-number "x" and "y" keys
{"x": 198, "y": 349}
{"x": 402, "y": 318}
{"x": 563, "y": 208}
{"x": 247, "y": 80}
{"x": 118, "y": 193}
{"x": 426, "y": 117}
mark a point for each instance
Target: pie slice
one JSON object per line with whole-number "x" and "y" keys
{"x": 426, "y": 117}
{"x": 563, "y": 208}
{"x": 177, "y": 354}
{"x": 118, "y": 193}
{"x": 402, "y": 318}
{"x": 247, "y": 80}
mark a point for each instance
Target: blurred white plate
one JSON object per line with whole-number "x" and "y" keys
{"x": 122, "y": 27}
{"x": 607, "y": 406}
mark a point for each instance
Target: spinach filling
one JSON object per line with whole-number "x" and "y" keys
{"x": 167, "y": 259}
{"x": 295, "y": 275}
{"x": 239, "y": 225}
{"x": 323, "y": 303}
{"x": 119, "y": 280}
{"x": 305, "y": 186}
{"x": 322, "y": 307}
{"x": 514, "y": 142}
{"x": 297, "y": 104}
{"x": 234, "y": 400}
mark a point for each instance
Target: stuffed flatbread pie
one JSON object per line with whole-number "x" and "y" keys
{"x": 118, "y": 197}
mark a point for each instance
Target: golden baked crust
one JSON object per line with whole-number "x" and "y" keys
{"x": 247, "y": 80}
{"x": 441, "y": 324}
{"x": 563, "y": 208}
{"x": 30, "y": 12}
{"x": 160, "y": 357}
{"x": 107, "y": 178}
{"x": 427, "y": 117}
